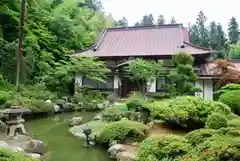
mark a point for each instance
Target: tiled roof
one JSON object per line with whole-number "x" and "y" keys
{"x": 144, "y": 41}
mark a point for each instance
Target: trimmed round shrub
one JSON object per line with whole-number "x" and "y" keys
{"x": 216, "y": 121}
{"x": 198, "y": 136}
{"x": 41, "y": 106}
{"x": 220, "y": 148}
{"x": 114, "y": 114}
{"x": 232, "y": 99}
{"x": 187, "y": 111}
{"x": 124, "y": 130}
{"x": 136, "y": 102}
{"x": 234, "y": 123}
{"x": 162, "y": 147}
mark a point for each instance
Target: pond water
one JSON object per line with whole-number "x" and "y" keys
{"x": 61, "y": 145}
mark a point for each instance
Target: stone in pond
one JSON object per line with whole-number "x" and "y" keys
{"x": 114, "y": 150}
{"x": 100, "y": 106}
{"x": 33, "y": 155}
{"x": 57, "y": 108}
{"x": 126, "y": 156}
{"x": 34, "y": 146}
{"x": 98, "y": 117}
{"x": 76, "y": 121}
{"x": 4, "y": 145}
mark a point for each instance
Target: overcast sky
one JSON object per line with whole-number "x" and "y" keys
{"x": 184, "y": 11}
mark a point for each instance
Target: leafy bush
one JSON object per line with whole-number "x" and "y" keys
{"x": 227, "y": 88}
{"x": 198, "y": 136}
{"x": 220, "y": 148}
{"x": 124, "y": 130}
{"x": 136, "y": 101}
{"x": 41, "y": 106}
{"x": 4, "y": 96}
{"x": 216, "y": 121}
{"x": 114, "y": 114}
{"x": 234, "y": 123}
{"x": 165, "y": 146}
{"x": 187, "y": 111}
{"x": 9, "y": 156}
{"x": 232, "y": 99}
{"x": 160, "y": 96}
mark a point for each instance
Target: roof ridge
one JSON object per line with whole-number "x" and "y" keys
{"x": 100, "y": 40}
{"x": 144, "y": 27}
{"x": 197, "y": 46}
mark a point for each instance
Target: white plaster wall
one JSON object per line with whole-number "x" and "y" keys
{"x": 78, "y": 80}
{"x": 208, "y": 89}
{"x": 199, "y": 84}
{"x": 206, "y": 85}
{"x": 152, "y": 85}
{"x": 117, "y": 81}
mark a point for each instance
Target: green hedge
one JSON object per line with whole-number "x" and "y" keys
{"x": 216, "y": 121}
{"x": 114, "y": 114}
{"x": 232, "y": 99}
{"x": 187, "y": 111}
{"x": 124, "y": 130}
{"x": 162, "y": 147}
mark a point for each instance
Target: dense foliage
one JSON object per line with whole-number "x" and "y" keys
{"x": 187, "y": 111}
{"x": 163, "y": 147}
{"x": 9, "y": 156}
{"x": 232, "y": 99}
{"x": 114, "y": 114}
{"x": 216, "y": 121}
{"x": 45, "y": 40}
{"x": 124, "y": 130}
{"x": 182, "y": 75}
{"x": 143, "y": 72}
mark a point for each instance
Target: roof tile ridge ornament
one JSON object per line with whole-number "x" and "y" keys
{"x": 95, "y": 48}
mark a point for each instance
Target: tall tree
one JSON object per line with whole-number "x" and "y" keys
{"x": 161, "y": 20}
{"x": 173, "y": 20}
{"x": 147, "y": 20}
{"x": 213, "y": 35}
{"x": 233, "y": 31}
{"x": 137, "y": 24}
{"x": 122, "y": 23}
{"x": 194, "y": 34}
{"x": 203, "y": 32}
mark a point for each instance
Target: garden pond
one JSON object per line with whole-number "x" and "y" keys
{"x": 61, "y": 144}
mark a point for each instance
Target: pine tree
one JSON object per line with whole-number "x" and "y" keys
{"x": 194, "y": 34}
{"x": 203, "y": 32}
{"x": 213, "y": 35}
{"x": 233, "y": 31}
{"x": 122, "y": 23}
{"x": 161, "y": 20}
{"x": 147, "y": 20}
{"x": 173, "y": 21}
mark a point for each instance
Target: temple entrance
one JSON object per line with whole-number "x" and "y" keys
{"x": 128, "y": 86}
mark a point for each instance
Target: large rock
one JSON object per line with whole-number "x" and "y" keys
{"x": 76, "y": 121}
{"x": 98, "y": 117}
{"x": 114, "y": 150}
{"x": 96, "y": 126}
{"x": 126, "y": 156}
{"x": 4, "y": 145}
{"x": 34, "y": 146}
{"x": 57, "y": 108}
{"x": 33, "y": 156}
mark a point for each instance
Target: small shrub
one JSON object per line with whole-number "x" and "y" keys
{"x": 160, "y": 96}
{"x": 234, "y": 123}
{"x": 216, "y": 121}
{"x": 165, "y": 146}
{"x": 198, "y": 136}
{"x": 4, "y": 96}
{"x": 136, "y": 102}
{"x": 232, "y": 99}
{"x": 114, "y": 114}
{"x": 124, "y": 130}
{"x": 219, "y": 148}
{"x": 41, "y": 106}
{"x": 10, "y": 156}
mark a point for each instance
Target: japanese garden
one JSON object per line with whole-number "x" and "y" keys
{"x": 76, "y": 84}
